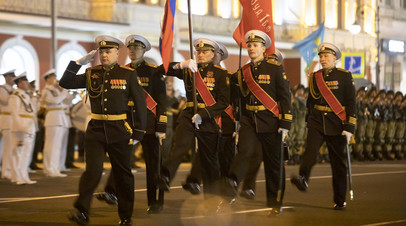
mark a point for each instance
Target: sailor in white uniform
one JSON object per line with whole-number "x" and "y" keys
{"x": 23, "y": 128}
{"x": 57, "y": 124}
{"x": 5, "y": 119}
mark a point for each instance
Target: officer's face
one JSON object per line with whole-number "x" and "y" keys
{"x": 108, "y": 56}
{"x": 135, "y": 52}
{"x": 23, "y": 84}
{"x": 9, "y": 79}
{"x": 256, "y": 51}
{"x": 204, "y": 56}
{"x": 51, "y": 80}
{"x": 327, "y": 60}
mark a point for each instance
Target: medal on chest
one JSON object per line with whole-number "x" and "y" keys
{"x": 209, "y": 80}
{"x": 118, "y": 84}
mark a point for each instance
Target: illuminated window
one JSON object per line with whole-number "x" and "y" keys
{"x": 154, "y": 1}
{"x": 197, "y": 7}
{"x": 350, "y": 10}
{"x": 309, "y": 12}
{"x": 65, "y": 54}
{"x": 224, "y": 8}
{"x": 19, "y": 54}
{"x": 236, "y": 8}
{"x": 369, "y": 9}
{"x": 330, "y": 13}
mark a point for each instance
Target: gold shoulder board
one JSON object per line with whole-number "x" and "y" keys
{"x": 151, "y": 65}
{"x": 217, "y": 66}
{"x": 98, "y": 67}
{"x": 126, "y": 67}
{"x": 271, "y": 61}
{"x": 340, "y": 69}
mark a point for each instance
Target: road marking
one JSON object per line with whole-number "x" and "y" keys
{"x": 236, "y": 212}
{"x": 385, "y": 223}
{"x": 22, "y": 199}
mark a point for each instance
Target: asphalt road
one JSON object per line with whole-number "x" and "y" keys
{"x": 379, "y": 199}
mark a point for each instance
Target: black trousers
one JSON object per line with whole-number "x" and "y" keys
{"x": 209, "y": 161}
{"x": 184, "y": 139}
{"x": 335, "y": 146}
{"x": 271, "y": 151}
{"x": 150, "y": 148}
{"x": 226, "y": 154}
{"x": 253, "y": 167}
{"x": 95, "y": 148}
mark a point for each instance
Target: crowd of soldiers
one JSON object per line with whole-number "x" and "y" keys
{"x": 237, "y": 120}
{"x": 380, "y": 132}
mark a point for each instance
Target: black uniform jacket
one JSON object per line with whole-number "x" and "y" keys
{"x": 227, "y": 122}
{"x": 109, "y": 93}
{"x": 340, "y": 82}
{"x": 270, "y": 76}
{"x": 215, "y": 78}
{"x": 152, "y": 80}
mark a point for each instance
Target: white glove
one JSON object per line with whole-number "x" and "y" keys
{"x": 160, "y": 136}
{"x": 284, "y": 133}
{"x": 135, "y": 142}
{"x": 197, "y": 120}
{"x": 87, "y": 58}
{"x": 191, "y": 64}
{"x": 347, "y": 135}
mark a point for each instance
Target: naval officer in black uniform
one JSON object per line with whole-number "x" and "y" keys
{"x": 266, "y": 117}
{"x": 110, "y": 87}
{"x": 152, "y": 80}
{"x": 330, "y": 118}
{"x": 212, "y": 98}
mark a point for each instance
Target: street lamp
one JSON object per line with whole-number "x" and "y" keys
{"x": 355, "y": 28}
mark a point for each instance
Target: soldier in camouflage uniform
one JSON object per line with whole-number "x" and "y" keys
{"x": 390, "y": 126}
{"x": 298, "y": 129}
{"x": 381, "y": 117}
{"x": 362, "y": 120}
{"x": 403, "y": 107}
{"x": 370, "y": 126}
{"x": 400, "y": 124}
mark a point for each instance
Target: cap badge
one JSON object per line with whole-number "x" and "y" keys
{"x": 201, "y": 44}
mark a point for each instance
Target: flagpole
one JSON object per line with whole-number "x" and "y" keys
{"x": 192, "y": 57}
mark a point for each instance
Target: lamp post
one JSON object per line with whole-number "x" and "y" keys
{"x": 356, "y": 28}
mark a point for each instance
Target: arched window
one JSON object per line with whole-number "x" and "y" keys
{"x": 65, "y": 54}
{"x": 200, "y": 7}
{"x": 16, "y": 53}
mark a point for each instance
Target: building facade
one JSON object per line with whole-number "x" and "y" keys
{"x": 26, "y": 34}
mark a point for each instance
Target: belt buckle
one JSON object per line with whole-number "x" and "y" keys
{"x": 256, "y": 109}
{"x": 105, "y": 117}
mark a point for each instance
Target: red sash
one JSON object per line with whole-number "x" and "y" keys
{"x": 332, "y": 101}
{"x": 151, "y": 103}
{"x": 203, "y": 91}
{"x": 229, "y": 112}
{"x": 259, "y": 93}
{"x": 207, "y": 98}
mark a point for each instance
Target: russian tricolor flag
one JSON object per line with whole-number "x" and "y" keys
{"x": 166, "y": 39}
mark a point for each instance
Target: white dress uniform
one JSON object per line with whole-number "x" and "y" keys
{"x": 67, "y": 104}
{"x": 23, "y": 128}
{"x": 57, "y": 125}
{"x": 5, "y": 119}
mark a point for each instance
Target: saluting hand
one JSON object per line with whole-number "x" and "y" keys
{"x": 87, "y": 58}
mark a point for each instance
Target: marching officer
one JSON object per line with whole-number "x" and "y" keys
{"x": 362, "y": 120}
{"x": 213, "y": 96}
{"x": 371, "y": 113}
{"x": 110, "y": 87}
{"x": 254, "y": 164}
{"x": 266, "y": 117}
{"x": 155, "y": 91}
{"x": 330, "y": 118}
{"x": 226, "y": 147}
{"x": 57, "y": 124}
{"x": 23, "y": 127}
{"x": 5, "y": 118}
